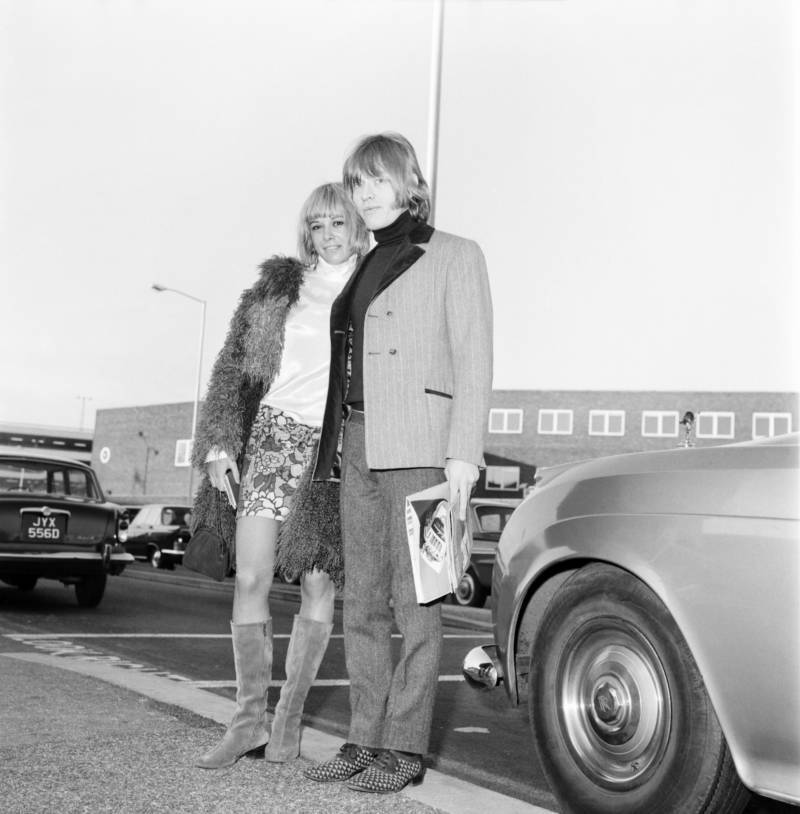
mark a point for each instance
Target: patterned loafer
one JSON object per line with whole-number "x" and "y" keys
{"x": 351, "y": 760}
{"x": 389, "y": 773}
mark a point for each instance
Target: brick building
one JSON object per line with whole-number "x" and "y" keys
{"x": 548, "y": 427}
{"x": 141, "y": 454}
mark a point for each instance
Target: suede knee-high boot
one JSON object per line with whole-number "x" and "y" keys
{"x": 248, "y": 731}
{"x": 306, "y": 649}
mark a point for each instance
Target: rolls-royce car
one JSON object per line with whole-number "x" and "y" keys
{"x": 55, "y": 523}
{"x": 647, "y": 608}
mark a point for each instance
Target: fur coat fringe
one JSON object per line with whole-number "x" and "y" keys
{"x": 243, "y": 372}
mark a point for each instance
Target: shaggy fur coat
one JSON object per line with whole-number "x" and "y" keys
{"x": 243, "y": 372}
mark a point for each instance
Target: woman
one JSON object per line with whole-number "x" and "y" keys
{"x": 418, "y": 383}
{"x": 263, "y": 411}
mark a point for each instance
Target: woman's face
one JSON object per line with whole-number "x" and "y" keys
{"x": 331, "y": 237}
{"x": 375, "y": 198}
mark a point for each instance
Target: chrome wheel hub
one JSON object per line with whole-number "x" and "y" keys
{"x": 614, "y": 705}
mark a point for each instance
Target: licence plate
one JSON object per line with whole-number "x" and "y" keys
{"x": 38, "y": 526}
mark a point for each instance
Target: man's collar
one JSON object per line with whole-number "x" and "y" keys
{"x": 421, "y": 233}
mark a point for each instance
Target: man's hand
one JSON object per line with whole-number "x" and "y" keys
{"x": 216, "y": 471}
{"x": 461, "y": 476}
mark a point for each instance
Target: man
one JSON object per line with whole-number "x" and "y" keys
{"x": 411, "y": 362}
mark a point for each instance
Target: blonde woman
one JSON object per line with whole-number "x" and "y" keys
{"x": 260, "y": 425}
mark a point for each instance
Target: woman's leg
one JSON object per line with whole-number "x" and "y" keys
{"x": 310, "y": 635}
{"x": 251, "y": 634}
{"x": 317, "y": 592}
{"x": 256, "y": 538}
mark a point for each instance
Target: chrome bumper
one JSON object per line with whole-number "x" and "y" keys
{"x": 481, "y": 668}
{"x": 66, "y": 556}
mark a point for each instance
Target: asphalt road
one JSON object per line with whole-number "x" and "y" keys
{"x": 178, "y": 625}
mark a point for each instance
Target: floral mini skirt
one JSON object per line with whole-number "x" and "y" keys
{"x": 278, "y": 451}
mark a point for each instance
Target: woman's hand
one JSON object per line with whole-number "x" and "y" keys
{"x": 461, "y": 476}
{"x": 216, "y": 471}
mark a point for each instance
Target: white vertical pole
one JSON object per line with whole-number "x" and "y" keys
{"x": 197, "y": 394}
{"x": 434, "y": 98}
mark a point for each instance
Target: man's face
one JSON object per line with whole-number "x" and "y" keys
{"x": 375, "y": 198}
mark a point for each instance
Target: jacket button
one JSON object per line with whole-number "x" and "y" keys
{"x": 390, "y": 313}
{"x": 392, "y": 351}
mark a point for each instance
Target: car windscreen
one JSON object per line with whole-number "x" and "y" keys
{"x": 176, "y": 516}
{"x": 493, "y": 518}
{"x": 46, "y": 478}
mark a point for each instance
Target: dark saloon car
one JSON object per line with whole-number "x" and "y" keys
{"x": 487, "y": 518}
{"x": 647, "y": 608}
{"x": 159, "y": 533}
{"x": 55, "y": 523}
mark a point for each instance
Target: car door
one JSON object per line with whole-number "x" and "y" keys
{"x": 140, "y": 531}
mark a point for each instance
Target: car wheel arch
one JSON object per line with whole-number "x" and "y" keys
{"x": 540, "y": 590}
{"x": 538, "y": 594}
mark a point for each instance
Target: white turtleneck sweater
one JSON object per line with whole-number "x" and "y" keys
{"x": 301, "y": 385}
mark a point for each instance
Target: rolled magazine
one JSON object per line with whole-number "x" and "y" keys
{"x": 440, "y": 544}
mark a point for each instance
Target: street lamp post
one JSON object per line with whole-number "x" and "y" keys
{"x": 434, "y": 100}
{"x": 158, "y": 287}
{"x": 83, "y": 400}
{"x": 147, "y": 452}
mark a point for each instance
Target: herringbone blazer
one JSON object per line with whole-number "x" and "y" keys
{"x": 427, "y": 358}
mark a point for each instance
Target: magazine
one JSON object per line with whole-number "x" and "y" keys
{"x": 439, "y": 542}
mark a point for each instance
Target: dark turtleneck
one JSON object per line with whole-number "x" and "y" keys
{"x": 370, "y": 278}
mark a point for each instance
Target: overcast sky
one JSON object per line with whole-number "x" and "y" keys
{"x": 628, "y": 166}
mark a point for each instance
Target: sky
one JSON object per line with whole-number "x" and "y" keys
{"x": 629, "y": 168}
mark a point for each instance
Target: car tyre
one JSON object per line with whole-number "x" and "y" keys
{"x": 89, "y": 591}
{"x": 620, "y": 716}
{"x": 469, "y": 592}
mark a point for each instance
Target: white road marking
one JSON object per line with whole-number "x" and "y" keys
{"x": 58, "y": 644}
{"x": 320, "y": 682}
{"x": 18, "y": 637}
{"x": 472, "y": 730}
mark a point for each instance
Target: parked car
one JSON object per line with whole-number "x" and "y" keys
{"x": 647, "y": 606}
{"x": 159, "y": 533}
{"x": 487, "y": 518}
{"x": 55, "y": 523}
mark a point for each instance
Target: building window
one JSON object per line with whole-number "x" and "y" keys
{"x": 765, "y": 425}
{"x": 555, "y": 422}
{"x": 659, "y": 423}
{"x": 183, "y": 452}
{"x": 715, "y": 425}
{"x": 502, "y": 478}
{"x": 606, "y": 422}
{"x": 505, "y": 421}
